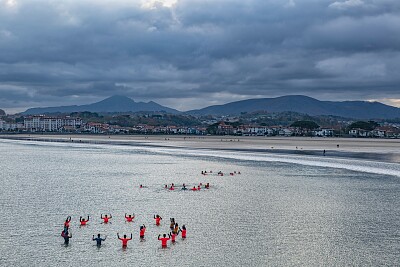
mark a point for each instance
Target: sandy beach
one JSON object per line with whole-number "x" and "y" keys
{"x": 375, "y": 149}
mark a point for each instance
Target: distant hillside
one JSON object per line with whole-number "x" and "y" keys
{"x": 111, "y": 104}
{"x": 306, "y": 105}
{"x": 2, "y": 112}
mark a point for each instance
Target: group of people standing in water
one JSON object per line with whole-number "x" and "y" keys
{"x": 175, "y": 231}
{"x": 194, "y": 188}
{"x": 174, "y": 227}
{"x": 220, "y": 173}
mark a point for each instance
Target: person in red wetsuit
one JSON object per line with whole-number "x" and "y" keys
{"x": 142, "y": 231}
{"x": 124, "y": 240}
{"x": 83, "y": 221}
{"x": 105, "y": 218}
{"x": 173, "y": 236}
{"x": 129, "y": 218}
{"x": 164, "y": 240}
{"x": 158, "y": 219}
{"x": 194, "y": 188}
{"x": 67, "y": 221}
{"x": 183, "y": 230}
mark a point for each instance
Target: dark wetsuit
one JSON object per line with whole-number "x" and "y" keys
{"x": 66, "y": 237}
{"x": 98, "y": 240}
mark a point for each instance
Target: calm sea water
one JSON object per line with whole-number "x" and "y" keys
{"x": 281, "y": 211}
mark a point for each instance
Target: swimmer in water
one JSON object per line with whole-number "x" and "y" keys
{"x": 66, "y": 235}
{"x": 183, "y": 230}
{"x": 184, "y": 187}
{"x": 164, "y": 240}
{"x": 194, "y": 188}
{"x": 98, "y": 239}
{"x": 129, "y": 218}
{"x": 166, "y": 186}
{"x": 67, "y": 221}
{"x": 172, "y": 224}
{"x": 198, "y": 187}
{"x": 142, "y": 231}
{"x": 83, "y": 221}
{"x": 105, "y": 218}
{"x": 124, "y": 240}
{"x": 173, "y": 236}
{"x": 176, "y": 229}
{"x": 172, "y": 188}
{"x": 207, "y": 186}
{"x": 158, "y": 219}
{"x": 141, "y": 186}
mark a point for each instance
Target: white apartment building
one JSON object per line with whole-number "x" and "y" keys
{"x": 50, "y": 124}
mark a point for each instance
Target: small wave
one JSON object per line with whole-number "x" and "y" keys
{"x": 348, "y": 164}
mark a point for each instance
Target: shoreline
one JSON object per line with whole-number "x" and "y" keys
{"x": 385, "y": 150}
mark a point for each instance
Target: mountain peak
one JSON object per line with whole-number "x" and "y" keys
{"x": 306, "y": 105}
{"x": 115, "y": 103}
{"x": 116, "y": 98}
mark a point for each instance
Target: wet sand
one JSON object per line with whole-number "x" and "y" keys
{"x": 387, "y": 150}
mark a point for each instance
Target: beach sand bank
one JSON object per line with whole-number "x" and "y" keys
{"x": 387, "y": 150}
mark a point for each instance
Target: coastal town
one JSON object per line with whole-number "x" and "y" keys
{"x": 235, "y": 126}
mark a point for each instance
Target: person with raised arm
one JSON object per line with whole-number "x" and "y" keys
{"x": 164, "y": 240}
{"x": 158, "y": 219}
{"x": 130, "y": 218}
{"x": 83, "y": 221}
{"x": 183, "y": 231}
{"x": 124, "y": 240}
{"x": 98, "y": 239}
{"x": 67, "y": 222}
{"x": 105, "y": 218}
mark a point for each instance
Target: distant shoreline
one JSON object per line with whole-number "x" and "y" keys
{"x": 386, "y": 150}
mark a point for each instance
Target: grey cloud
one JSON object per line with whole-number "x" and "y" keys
{"x": 198, "y": 52}
{"x": 346, "y": 4}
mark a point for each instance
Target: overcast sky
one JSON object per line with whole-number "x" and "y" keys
{"x": 189, "y": 54}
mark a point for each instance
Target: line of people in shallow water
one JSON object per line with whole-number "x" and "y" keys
{"x": 174, "y": 227}
{"x": 184, "y": 187}
{"x": 220, "y": 173}
{"x": 194, "y": 188}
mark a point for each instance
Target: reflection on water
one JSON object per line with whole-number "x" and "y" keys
{"x": 286, "y": 212}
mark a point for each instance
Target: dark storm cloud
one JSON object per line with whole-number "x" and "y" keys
{"x": 196, "y": 52}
